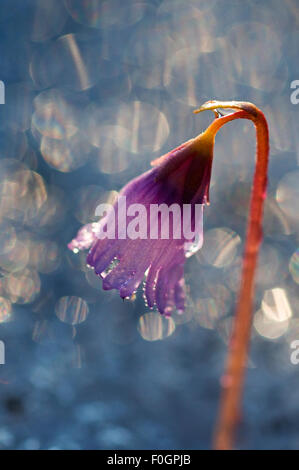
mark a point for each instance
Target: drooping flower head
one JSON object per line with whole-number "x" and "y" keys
{"x": 180, "y": 180}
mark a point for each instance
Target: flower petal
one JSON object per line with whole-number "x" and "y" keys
{"x": 84, "y": 239}
{"x": 165, "y": 290}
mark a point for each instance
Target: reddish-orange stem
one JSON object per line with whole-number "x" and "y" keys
{"x": 233, "y": 379}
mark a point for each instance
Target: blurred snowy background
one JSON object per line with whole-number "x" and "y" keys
{"x": 94, "y": 90}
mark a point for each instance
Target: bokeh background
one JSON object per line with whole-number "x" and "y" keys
{"x": 94, "y": 90}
